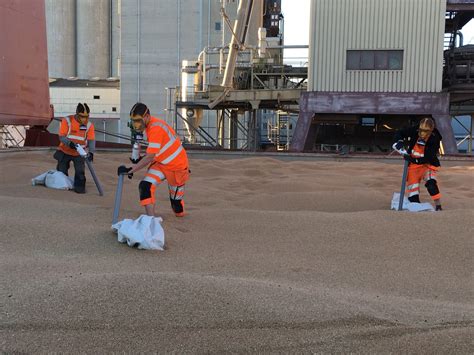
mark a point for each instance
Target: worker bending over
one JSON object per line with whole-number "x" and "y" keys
{"x": 423, "y": 143}
{"x": 165, "y": 158}
{"x": 76, "y": 130}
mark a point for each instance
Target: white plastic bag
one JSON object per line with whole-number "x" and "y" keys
{"x": 54, "y": 179}
{"x": 410, "y": 206}
{"x": 145, "y": 232}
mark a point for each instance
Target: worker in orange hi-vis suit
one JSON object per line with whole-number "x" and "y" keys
{"x": 423, "y": 145}
{"x": 165, "y": 158}
{"x": 76, "y": 130}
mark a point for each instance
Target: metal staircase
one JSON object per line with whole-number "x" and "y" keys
{"x": 12, "y": 136}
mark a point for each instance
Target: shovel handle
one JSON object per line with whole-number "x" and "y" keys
{"x": 118, "y": 199}
{"x": 402, "y": 190}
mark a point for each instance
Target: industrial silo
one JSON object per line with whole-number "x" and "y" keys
{"x": 115, "y": 32}
{"x": 61, "y": 34}
{"x": 93, "y": 38}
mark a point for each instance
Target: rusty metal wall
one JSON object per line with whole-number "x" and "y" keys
{"x": 24, "y": 85}
{"x": 414, "y": 26}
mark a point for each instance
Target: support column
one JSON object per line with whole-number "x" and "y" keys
{"x": 303, "y": 136}
{"x": 233, "y": 129}
{"x": 252, "y": 131}
{"x": 302, "y": 139}
{"x": 221, "y": 128}
{"x": 443, "y": 124}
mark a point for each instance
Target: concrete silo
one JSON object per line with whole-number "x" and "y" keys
{"x": 93, "y": 38}
{"x": 115, "y": 32}
{"x": 61, "y": 34}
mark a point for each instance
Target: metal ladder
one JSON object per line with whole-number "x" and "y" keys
{"x": 11, "y": 137}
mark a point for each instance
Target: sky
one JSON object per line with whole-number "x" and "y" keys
{"x": 296, "y": 13}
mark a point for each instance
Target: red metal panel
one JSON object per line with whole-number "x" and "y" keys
{"x": 24, "y": 82}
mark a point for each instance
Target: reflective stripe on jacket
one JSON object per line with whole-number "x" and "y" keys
{"x": 71, "y": 129}
{"x": 166, "y": 145}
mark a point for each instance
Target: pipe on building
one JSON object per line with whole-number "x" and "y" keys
{"x": 461, "y": 39}
{"x": 240, "y": 26}
{"x": 138, "y": 50}
{"x": 209, "y": 23}
{"x": 222, "y": 21}
{"x": 110, "y": 38}
{"x": 179, "y": 41}
{"x": 200, "y": 25}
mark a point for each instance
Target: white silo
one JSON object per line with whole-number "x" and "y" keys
{"x": 93, "y": 38}
{"x": 61, "y": 35}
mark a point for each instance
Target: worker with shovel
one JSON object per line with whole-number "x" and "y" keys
{"x": 76, "y": 131}
{"x": 165, "y": 159}
{"x": 422, "y": 144}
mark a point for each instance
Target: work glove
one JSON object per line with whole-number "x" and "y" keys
{"x": 90, "y": 156}
{"x": 134, "y": 161}
{"x": 72, "y": 145}
{"x": 410, "y": 159}
{"x": 122, "y": 170}
{"x": 398, "y": 145}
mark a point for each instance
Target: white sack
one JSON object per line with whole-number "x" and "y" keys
{"x": 410, "y": 206}
{"x": 54, "y": 179}
{"x": 145, "y": 232}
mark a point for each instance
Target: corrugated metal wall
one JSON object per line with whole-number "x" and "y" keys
{"x": 414, "y": 26}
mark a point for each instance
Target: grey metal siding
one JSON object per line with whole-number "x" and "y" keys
{"x": 414, "y": 26}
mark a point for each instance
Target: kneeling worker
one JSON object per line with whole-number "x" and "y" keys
{"x": 76, "y": 130}
{"x": 423, "y": 145}
{"x": 165, "y": 158}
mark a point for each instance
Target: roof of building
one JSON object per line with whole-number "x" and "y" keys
{"x": 81, "y": 83}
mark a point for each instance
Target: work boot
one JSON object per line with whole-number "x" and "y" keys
{"x": 414, "y": 199}
{"x": 439, "y": 208}
{"x": 178, "y": 207}
{"x": 80, "y": 189}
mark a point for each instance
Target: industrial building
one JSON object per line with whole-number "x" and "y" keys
{"x": 215, "y": 69}
{"x": 376, "y": 65}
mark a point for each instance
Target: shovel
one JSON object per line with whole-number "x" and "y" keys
{"x": 118, "y": 199}
{"x": 404, "y": 180}
{"x": 83, "y": 154}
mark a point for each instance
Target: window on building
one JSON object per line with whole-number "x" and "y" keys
{"x": 217, "y": 26}
{"x": 96, "y": 97}
{"x": 367, "y": 121}
{"x": 374, "y": 60}
{"x": 114, "y": 109}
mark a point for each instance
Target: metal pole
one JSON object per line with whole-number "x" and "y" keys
{"x": 402, "y": 190}
{"x": 118, "y": 199}
{"x": 138, "y": 50}
{"x": 94, "y": 176}
{"x": 179, "y": 39}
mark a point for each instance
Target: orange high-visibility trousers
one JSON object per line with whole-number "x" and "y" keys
{"x": 157, "y": 173}
{"x": 421, "y": 173}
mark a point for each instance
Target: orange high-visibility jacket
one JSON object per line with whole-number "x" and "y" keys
{"x": 71, "y": 129}
{"x": 166, "y": 145}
